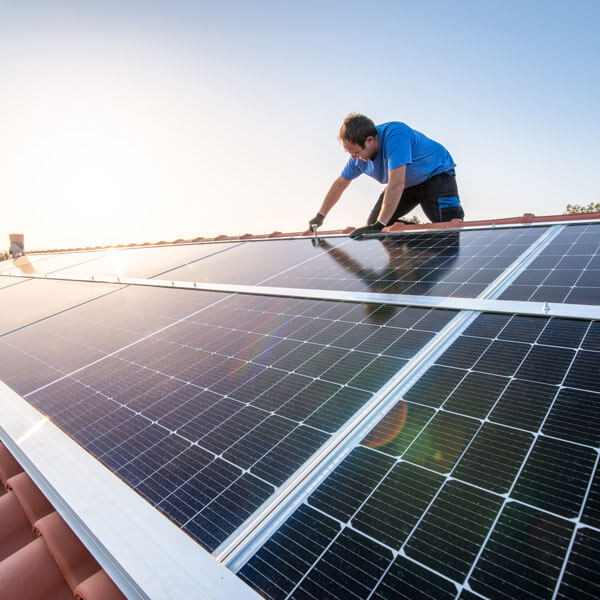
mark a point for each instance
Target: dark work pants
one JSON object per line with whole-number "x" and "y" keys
{"x": 434, "y": 196}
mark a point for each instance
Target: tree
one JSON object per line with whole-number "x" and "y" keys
{"x": 577, "y": 209}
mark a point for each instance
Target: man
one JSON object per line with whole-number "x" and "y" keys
{"x": 416, "y": 169}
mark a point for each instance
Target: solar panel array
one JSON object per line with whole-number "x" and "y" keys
{"x": 480, "y": 478}
{"x": 479, "y": 481}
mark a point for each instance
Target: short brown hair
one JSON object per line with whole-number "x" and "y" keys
{"x": 356, "y": 128}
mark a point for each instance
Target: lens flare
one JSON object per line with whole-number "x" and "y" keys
{"x": 389, "y": 428}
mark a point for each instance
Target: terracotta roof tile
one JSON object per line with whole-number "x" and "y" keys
{"x": 55, "y": 566}
{"x": 71, "y": 556}
{"x": 525, "y": 218}
{"x": 34, "y": 503}
{"x": 31, "y": 574}
{"x": 15, "y": 528}
{"x": 8, "y": 465}
{"x": 98, "y": 586}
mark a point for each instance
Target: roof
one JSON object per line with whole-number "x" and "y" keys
{"x": 526, "y": 218}
{"x": 291, "y": 416}
{"x": 40, "y": 556}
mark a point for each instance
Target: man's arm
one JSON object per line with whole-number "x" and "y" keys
{"x": 334, "y": 194}
{"x": 391, "y": 198}
{"x": 392, "y": 194}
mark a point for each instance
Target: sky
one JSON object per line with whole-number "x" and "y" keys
{"x": 132, "y": 122}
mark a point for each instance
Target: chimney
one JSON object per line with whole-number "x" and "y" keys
{"x": 17, "y": 244}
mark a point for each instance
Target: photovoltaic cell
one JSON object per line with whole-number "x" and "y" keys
{"x": 575, "y": 417}
{"x": 435, "y": 386}
{"x": 476, "y": 394}
{"x": 351, "y": 483}
{"x": 591, "y": 512}
{"x": 524, "y": 404}
{"x": 592, "y": 337}
{"x": 406, "y": 580}
{"x": 482, "y": 474}
{"x": 277, "y": 568}
{"x": 393, "y": 434}
{"x": 580, "y": 579}
{"x": 556, "y": 477}
{"x": 350, "y": 568}
{"x": 523, "y": 556}
{"x": 402, "y": 511}
{"x": 453, "y": 529}
{"x": 494, "y": 458}
{"x": 442, "y": 442}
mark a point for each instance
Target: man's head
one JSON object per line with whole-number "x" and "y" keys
{"x": 358, "y": 135}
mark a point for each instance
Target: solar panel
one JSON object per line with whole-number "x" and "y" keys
{"x": 568, "y": 270}
{"x": 7, "y": 282}
{"x": 142, "y": 262}
{"x": 32, "y": 300}
{"x": 464, "y": 477}
{"x": 197, "y": 400}
{"x": 36, "y": 264}
{"x": 252, "y": 262}
{"x": 338, "y": 449}
{"x": 452, "y": 263}
{"x": 436, "y": 263}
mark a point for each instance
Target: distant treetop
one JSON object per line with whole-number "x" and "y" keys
{"x": 576, "y": 209}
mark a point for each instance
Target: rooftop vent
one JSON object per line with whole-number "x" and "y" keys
{"x": 17, "y": 244}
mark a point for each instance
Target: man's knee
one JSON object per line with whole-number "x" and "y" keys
{"x": 449, "y": 208}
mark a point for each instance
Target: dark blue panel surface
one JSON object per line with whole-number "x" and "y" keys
{"x": 567, "y": 270}
{"x": 513, "y": 565}
{"x": 143, "y": 263}
{"x": 440, "y": 263}
{"x": 479, "y": 476}
{"x": 204, "y": 402}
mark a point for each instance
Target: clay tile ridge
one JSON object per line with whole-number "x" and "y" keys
{"x": 525, "y": 218}
{"x": 41, "y": 558}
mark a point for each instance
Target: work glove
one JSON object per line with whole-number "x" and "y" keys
{"x": 374, "y": 228}
{"x": 316, "y": 221}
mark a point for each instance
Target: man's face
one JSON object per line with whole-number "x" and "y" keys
{"x": 367, "y": 153}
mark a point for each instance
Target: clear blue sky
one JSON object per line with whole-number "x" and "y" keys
{"x": 146, "y": 121}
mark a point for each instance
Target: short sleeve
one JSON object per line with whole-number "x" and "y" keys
{"x": 351, "y": 171}
{"x": 398, "y": 150}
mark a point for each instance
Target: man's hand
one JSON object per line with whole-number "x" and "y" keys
{"x": 375, "y": 228}
{"x": 316, "y": 221}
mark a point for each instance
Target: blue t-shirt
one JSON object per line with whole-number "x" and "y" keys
{"x": 400, "y": 145}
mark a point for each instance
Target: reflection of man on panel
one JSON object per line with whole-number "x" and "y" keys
{"x": 416, "y": 169}
{"x": 422, "y": 259}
